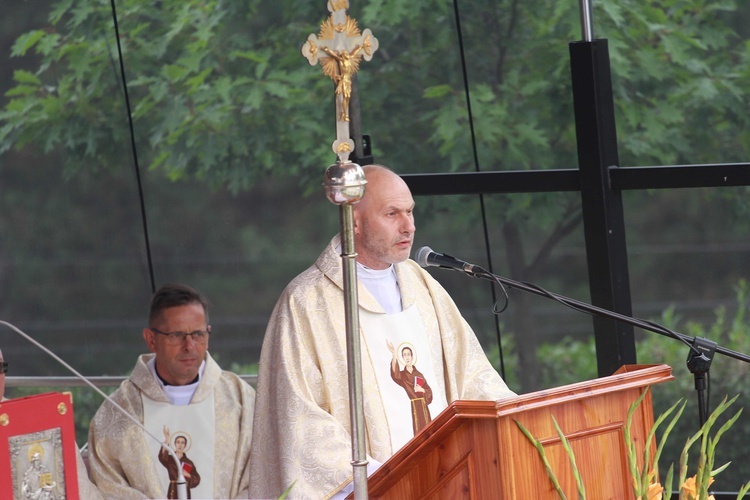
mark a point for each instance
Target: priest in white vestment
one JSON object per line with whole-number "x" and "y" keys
{"x": 418, "y": 356}
{"x": 180, "y": 393}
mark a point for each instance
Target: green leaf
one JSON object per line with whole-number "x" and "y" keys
{"x": 437, "y": 91}
{"x": 23, "y": 76}
{"x": 174, "y": 72}
{"x": 22, "y": 90}
{"x": 571, "y": 456}
{"x": 25, "y": 42}
{"x": 540, "y": 450}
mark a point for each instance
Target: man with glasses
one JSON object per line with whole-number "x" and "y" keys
{"x": 178, "y": 387}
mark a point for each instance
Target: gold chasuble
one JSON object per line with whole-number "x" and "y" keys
{"x": 302, "y": 427}
{"x": 214, "y": 433}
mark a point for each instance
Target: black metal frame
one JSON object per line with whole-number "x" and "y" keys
{"x": 600, "y": 181}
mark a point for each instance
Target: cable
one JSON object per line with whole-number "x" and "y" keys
{"x": 495, "y": 299}
{"x": 134, "y": 149}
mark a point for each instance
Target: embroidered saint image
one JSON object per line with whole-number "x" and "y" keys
{"x": 413, "y": 382}
{"x": 188, "y": 470}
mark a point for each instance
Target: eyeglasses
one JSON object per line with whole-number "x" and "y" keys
{"x": 3, "y": 367}
{"x": 200, "y": 337}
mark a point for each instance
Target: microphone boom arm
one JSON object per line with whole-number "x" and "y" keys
{"x": 701, "y": 349}
{"x": 599, "y": 311}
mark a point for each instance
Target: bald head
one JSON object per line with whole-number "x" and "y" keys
{"x": 376, "y": 175}
{"x": 383, "y": 219}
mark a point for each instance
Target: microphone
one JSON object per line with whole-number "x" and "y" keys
{"x": 428, "y": 257}
{"x": 181, "y": 484}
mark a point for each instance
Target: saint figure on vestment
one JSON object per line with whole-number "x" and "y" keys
{"x": 192, "y": 478}
{"x": 415, "y": 385}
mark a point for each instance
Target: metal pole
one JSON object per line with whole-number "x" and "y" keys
{"x": 345, "y": 185}
{"x": 587, "y": 20}
{"x": 353, "y": 353}
{"x": 603, "y": 217}
{"x": 339, "y": 47}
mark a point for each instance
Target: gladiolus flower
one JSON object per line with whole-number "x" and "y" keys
{"x": 654, "y": 491}
{"x": 690, "y": 487}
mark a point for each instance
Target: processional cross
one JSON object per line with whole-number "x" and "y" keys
{"x": 339, "y": 47}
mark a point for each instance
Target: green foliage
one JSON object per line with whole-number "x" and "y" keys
{"x": 510, "y": 360}
{"x": 678, "y": 81}
{"x": 726, "y": 376}
{"x": 571, "y": 456}
{"x": 213, "y": 84}
{"x": 567, "y": 361}
{"x": 648, "y": 476}
{"x": 220, "y": 93}
{"x": 244, "y": 369}
{"x": 697, "y": 487}
{"x": 208, "y": 101}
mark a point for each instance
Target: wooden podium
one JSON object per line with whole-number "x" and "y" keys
{"x": 475, "y": 450}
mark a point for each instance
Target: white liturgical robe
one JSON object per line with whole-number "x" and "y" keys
{"x": 302, "y": 425}
{"x": 123, "y": 463}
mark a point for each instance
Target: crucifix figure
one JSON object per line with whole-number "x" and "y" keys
{"x": 341, "y": 74}
{"x": 339, "y": 47}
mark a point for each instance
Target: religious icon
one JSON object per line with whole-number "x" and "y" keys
{"x": 181, "y": 444}
{"x": 37, "y": 481}
{"x": 413, "y": 382}
{"x": 38, "y": 448}
{"x": 341, "y": 40}
{"x": 345, "y": 65}
{"x": 36, "y": 465}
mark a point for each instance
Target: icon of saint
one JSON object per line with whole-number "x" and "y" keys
{"x": 188, "y": 470}
{"x": 413, "y": 382}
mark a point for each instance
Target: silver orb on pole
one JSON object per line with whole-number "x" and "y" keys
{"x": 344, "y": 183}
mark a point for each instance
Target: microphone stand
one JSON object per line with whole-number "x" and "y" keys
{"x": 701, "y": 350}
{"x": 181, "y": 483}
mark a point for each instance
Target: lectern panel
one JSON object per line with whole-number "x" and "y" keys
{"x": 474, "y": 449}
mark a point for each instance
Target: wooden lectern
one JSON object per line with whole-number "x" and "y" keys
{"x": 475, "y": 450}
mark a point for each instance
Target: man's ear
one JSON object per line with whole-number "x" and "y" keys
{"x": 150, "y": 337}
{"x": 357, "y": 219}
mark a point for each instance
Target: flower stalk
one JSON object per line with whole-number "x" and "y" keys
{"x": 645, "y": 479}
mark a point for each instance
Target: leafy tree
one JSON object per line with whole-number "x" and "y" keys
{"x": 676, "y": 66}
{"x": 214, "y": 86}
{"x": 210, "y": 90}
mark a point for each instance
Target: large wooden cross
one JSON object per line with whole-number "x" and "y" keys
{"x": 339, "y": 47}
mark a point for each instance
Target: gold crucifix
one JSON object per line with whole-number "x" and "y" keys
{"x": 340, "y": 46}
